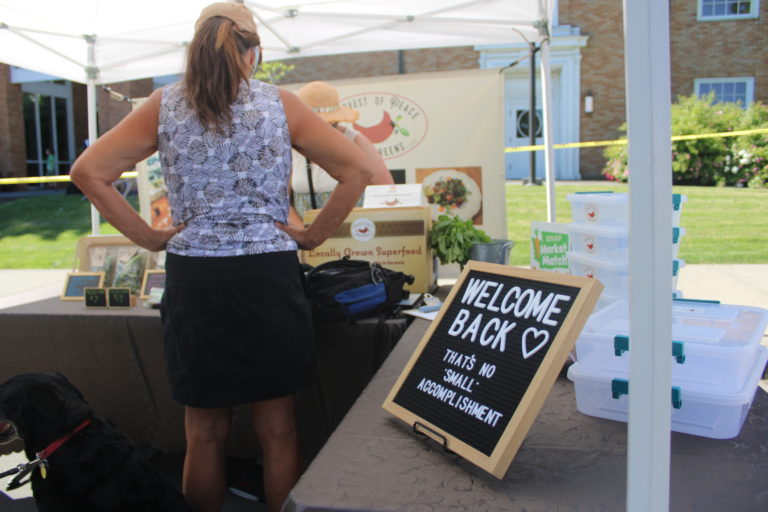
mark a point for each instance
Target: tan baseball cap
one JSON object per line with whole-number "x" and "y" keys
{"x": 238, "y": 13}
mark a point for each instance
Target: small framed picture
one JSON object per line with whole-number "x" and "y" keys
{"x": 76, "y": 282}
{"x": 153, "y": 279}
{"x": 95, "y": 298}
{"x": 119, "y": 298}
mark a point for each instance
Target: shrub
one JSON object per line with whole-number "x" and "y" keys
{"x": 749, "y": 157}
{"x": 736, "y": 161}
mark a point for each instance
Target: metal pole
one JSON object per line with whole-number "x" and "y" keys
{"x": 648, "y": 96}
{"x": 92, "y": 73}
{"x": 532, "y": 116}
{"x": 549, "y": 154}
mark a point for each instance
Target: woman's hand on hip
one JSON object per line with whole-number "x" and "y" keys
{"x": 302, "y": 235}
{"x": 161, "y": 237}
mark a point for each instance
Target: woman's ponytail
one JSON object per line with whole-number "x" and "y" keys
{"x": 215, "y": 70}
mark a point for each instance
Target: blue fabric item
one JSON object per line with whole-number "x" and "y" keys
{"x": 362, "y": 298}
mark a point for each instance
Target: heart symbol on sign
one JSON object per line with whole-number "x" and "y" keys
{"x": 536, "y": 335}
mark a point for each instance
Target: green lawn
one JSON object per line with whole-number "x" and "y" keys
{"x": 723, "y": 225}
{"x": 41, "y": 232}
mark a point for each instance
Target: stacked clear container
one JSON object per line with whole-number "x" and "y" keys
{"x": 599, "y": 242}
{"x": 717, "y": 363}
{"x": 717, "y": 356}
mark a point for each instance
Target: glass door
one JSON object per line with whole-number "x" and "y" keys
{"x": 48, "y": 127}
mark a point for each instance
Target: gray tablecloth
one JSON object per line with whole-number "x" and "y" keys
{"x": 568, "y": 462}
{"x": 115, "y": 358}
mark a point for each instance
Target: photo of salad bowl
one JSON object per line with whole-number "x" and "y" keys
{"x": 452, "y": 192}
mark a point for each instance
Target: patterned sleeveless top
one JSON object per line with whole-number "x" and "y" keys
{"x": 228, "y": 188}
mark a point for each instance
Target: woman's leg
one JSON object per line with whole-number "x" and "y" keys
{"x": 275, "y": 424}
{"x": 204, "y": 481}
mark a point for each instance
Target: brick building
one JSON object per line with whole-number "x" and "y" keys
{"x": 710, "y": 50}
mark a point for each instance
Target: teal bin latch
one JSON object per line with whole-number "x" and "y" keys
{"x": 620, "y": 387}
{"x": 677, "y": 397}
{"x": 621, "y": 345}
{"x": 678, "y": 351}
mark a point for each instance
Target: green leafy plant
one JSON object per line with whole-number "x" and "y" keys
{"x": 451, "y": 238}
{"x": 730, "y": 161}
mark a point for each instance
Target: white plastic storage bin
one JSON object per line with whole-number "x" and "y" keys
{"x": 607, "y": 299}
{"x": 600, "y": 241}
{"x": 719, "y": 342}
{"x": 702, "y": 412}
{"x": 613, "y": 273}
{"x": 599, "y": 208}
{"x": 609, "y": 241}
{"x": 612, "y": 208}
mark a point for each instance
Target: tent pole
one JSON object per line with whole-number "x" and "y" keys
{"x": 532, "y": 115}
{"x": 549, "y": 154}
{"x": 92, "y": 72}
{"x": 648, "y": 97}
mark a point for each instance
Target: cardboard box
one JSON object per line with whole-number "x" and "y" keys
{"x": 396, "y": 238}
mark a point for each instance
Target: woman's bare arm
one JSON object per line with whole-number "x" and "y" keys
{"x": 118, "y": 150}
{"x": 343, "y": 160}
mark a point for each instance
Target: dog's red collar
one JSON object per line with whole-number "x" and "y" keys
{"x": 41, "y": 461}
{"x": 48, "y": 450}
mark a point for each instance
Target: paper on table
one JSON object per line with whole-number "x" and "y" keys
{"x": 426, "y": 315}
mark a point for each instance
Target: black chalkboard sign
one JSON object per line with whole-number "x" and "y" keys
{"x": 485, "y": 366}
{"x": 119, "y": 298}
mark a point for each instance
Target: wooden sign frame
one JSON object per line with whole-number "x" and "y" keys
{"x": 147, "y": 281}
{"x": 66, "y": 292}
{"x": 568, "y": 302}
{"x": 116, "y": 256}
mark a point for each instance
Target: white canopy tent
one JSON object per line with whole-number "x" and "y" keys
{"x": 105, "y": 41}
{"x": 145, "y": 38}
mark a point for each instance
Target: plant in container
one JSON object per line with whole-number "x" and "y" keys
{"x": 451, "y": 239}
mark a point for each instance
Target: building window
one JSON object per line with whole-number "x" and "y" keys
{"x": 726, "y": 90}
{"x": 728, "y": 9}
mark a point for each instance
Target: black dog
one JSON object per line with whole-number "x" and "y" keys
{"x": 93, "y": 466}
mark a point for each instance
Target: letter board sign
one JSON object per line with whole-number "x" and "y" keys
{"x": 487, "y": 362}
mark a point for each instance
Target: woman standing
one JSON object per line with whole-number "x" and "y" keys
{"x": 237, "y": 326}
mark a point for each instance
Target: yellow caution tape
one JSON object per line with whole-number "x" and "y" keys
{"x": 621, "y": 142}
{"x": 538, "y": 147}
{"x": 54, "y": 179}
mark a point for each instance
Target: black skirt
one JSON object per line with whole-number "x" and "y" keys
{"x": 236, "y": 329}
